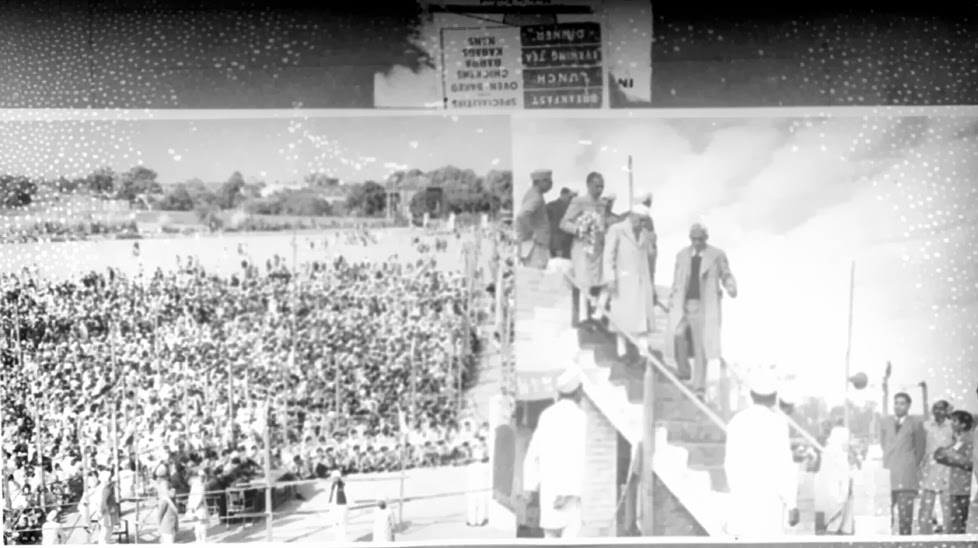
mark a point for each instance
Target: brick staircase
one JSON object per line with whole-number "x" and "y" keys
{"x": 690, "y": 445}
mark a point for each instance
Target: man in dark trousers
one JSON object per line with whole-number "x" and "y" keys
{"x": 904, "y": 444}
{"x": 560, "y": 241}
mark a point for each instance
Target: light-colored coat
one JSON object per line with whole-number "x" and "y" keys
{"x": 832, "y": 478}
{"x": 761, "y": 473}
{"x": 903, "y": 452}
{"x": 714, "y": 273}
{"x": 628, "y": 262}
{"x": 934, "y": 476}
{"x": 587, "y": 266}
{"x": 533, "y": 225}
{"x": 555, "y": 463}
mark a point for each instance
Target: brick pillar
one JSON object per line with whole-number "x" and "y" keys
{"x": 600, "y": 488}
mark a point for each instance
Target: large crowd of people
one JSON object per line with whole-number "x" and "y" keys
{"x": 341, "y": 365}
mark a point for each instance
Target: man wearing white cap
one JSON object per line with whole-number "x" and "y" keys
{"x": 533, "y": 224}
{"x": 761, "y": 472}
{"x": 555, "y": 460}
{"x": 629, "y": 272}
{"x": 694, "y": 306}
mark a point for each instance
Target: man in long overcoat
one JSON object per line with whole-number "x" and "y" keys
{"x": 533, "y": 224}
{"x": 904, "y": 442}
{"x": 629, "y": 270}
{"x": 586, "y": 257}
{"x": 694, "y": 306}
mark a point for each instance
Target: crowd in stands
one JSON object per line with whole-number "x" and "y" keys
{"x": 324, "y": 363}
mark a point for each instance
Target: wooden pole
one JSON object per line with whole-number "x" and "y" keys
{"x": 268, "y": 473}
{"x": 631, "y": 184}
{"x": 846, "y": 413}
{"x": 114, "y": 401}
{"x": 137, "y": 483}
{"x": 404, "y": 455}
{"x": 40, "y": 452}
{"x": 886, "y": 389}
{"x": 86, "y": 509}
{"x": 925, "y": 399}
{"x": 648, "y": 452}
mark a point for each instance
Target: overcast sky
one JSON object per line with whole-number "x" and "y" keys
{"x": 351, "y": 148}
{"x": 792, "y": 202}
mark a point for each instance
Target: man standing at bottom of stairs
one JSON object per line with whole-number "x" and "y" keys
{"x": 555, "y": 461}
{"x": 761, "y": 471}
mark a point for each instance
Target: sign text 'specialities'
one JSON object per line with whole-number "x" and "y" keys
{"x": 481, "y": 68}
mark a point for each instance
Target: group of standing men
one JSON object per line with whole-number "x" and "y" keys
{"x": 614, "y": 266}
{"x": 930, "y": 461}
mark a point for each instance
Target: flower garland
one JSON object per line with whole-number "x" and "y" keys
{"x": 589, "y": 226}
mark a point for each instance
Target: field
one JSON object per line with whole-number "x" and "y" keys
{"x": 221, "y": 253}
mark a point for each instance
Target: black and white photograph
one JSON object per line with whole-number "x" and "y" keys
{"x": 226, "y": 327}
{"x": 745, "y": 324}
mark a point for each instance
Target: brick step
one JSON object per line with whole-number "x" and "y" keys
{"x": 694, "y": 430}
{"x": 716, "y": 474}
{"x": 704, "y": 453}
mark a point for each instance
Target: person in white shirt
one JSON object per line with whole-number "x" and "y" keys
{"x": 761, "y": 471}
{"x": 51, "y": 530}
{"x": 338, "y": 506}
{"x": 383, "y": 524}
{"x": 197, "y": 506}
{"x": 555, "y": 464}
{"x": 934, "y": 476}
{"x": 478, "y": 477}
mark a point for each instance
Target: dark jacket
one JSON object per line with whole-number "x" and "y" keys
{"x": 337, "y": 494}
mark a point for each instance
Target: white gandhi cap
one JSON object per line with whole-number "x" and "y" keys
{"x": 763, "y": 382}
{"x": 641, "y": 210}
{"x": 789, "y": 394}
{"x": 569, "y": 381}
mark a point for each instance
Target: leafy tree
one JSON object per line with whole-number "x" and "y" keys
{"x": 499, "y": 185}
{"x": 136, "y": 182}
{"x": 17, "y": 191}
{"x": 230, "y": 194}
{"x": 102, "y": 181}
{"x": 201, "y": 192}
{"x": 210, "y": 215}
{"x": 321, "y": 180}
{"x": 178, "y": 198}
{"x": 369, "y": 198}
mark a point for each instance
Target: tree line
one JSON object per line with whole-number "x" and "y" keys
{"x": 463, "y": 190}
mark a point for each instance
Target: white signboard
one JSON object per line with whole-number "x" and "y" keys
{"x": 482, "y": 68}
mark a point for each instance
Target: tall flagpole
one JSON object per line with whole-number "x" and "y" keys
{"x": 631, "y": 184}
{"x": 849, "y": 496}
{"x": 268, "y": 471}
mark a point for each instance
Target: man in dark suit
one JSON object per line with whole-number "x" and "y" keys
{"x": 904, "y": 444}
{"x": 560, "y": 241}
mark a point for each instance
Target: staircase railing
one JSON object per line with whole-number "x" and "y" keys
{"x": 666, "y": 372}
{"x": 661, "y": 367}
